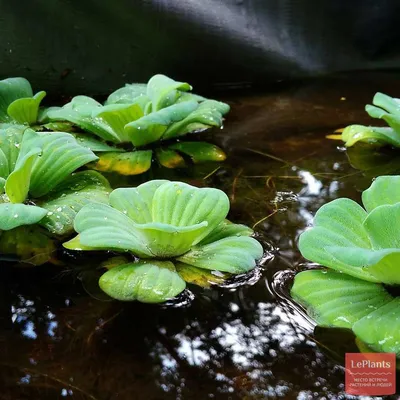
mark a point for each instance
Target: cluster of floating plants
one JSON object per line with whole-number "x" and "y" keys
{"x": 360, "y": 246}
{"x": 386, "y": 108}
{"x": 169, "y": 232}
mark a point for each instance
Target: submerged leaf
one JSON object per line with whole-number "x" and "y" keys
{"x": 130, "y": 163}
{"x": 169, "y": 158}
{"x": 148, "y": 282}
{"x": 29, "y": 243}
{"x": 200, "y": 151}
{"x": 199, "y": 276}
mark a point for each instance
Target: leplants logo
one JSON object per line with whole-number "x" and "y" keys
{"x": 370, "y": 374}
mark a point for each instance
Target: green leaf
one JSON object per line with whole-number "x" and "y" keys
{"x": 151, "y": 128}
{"x": 29, "y": 243}
{"x": 25, "y": 110}
{"x": 337, "y": 225}
{"x": 13, "y": 215}
{"x": 233, "y": 254}
{"x": 70, "y": 196}
{"x": 130, "y": 163}
{"x": 369, "y": 134}
{"x": 60, "y": 126}
{"x": 182, "y": 205}
{"x": 12, "y": 89}
{"x": 4, "y": 168}
{"x": 386, "y": 102}
{"x": 136, "y": 202}
{"x": 147, "y": 282}
{"x": 116, "y": 116}
{"x": 10, "y": 142}
{"x": 391, "y": 119}
{"x": 94, "y": 144}
{"x": 334, "y": 299}
{"x": 380, "y": 330}
{"x": 200, "y": 277}
{"x": 200, "y": 151}
{"x": 128, "y": 94}
{"x": 385, "y": 190}
{"x": 164, "y": 91}
{"x": 169, "y": 158}
{"x": 226, "y": 229}
{"x": 102, "y": 227}
{"x": 208, "y": 114}
{"x": 61, "y": 155}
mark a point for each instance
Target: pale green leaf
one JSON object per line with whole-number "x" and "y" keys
{"x": 13, "y": 215}
{"x": 338, "y": 224}
{"x": 385, "y": 190}
{"x": 370, "y": 134}
{"x": 127, "y": 94}
{"x": 335, "y": 299}
{"x": 10, "y": 142}
{"x": 164, "y": 91}
{"x": 93, "y": 144}
{"x": 4, "y": 167}
{"x": 380, "y": 330}
{"x": 70, "y": 196}
{"x": 25, "y": 110}
{"x": 151, "y": 127}
{"x": 147, "y": 282}
{"x": 232, "y": 254}
{"x": 61, "y": 155}
{"x": 12, "y": 89}
{"x": 129, "y": 163}
{"x": 208, "y": 114}
{"x": 102, "y": 227}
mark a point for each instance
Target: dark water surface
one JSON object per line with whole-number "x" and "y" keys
{"x": 247, "y": 342}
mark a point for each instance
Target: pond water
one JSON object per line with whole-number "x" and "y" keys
{"x": 246, "y": 340}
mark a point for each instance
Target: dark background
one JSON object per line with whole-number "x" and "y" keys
{"x": 95, "y": 46}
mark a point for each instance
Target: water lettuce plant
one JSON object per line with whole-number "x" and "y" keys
{"x": 36, "y": 181}
{"x": 17, "y": 102}
{"x": 140, "y": 115}
{"x": 360, "y": 246}
{"x": 386, "y": 108}
{"x": 171, "y": 228}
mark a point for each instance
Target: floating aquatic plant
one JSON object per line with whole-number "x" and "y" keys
{"x": 17, "y": 102}
{"x": 386, "y": 108}
{"x": 37, "y": 185}
{"x": 139, "y": 115}
{"x": 172, "y": 228}
{"x": 361, "y": 248}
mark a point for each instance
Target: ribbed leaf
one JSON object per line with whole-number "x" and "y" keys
{"x": 13, "y": 215}
{"x": 137, "y": 202}
{"x": 102, "y": 227}
{"x": 226, "y": 229}
{"x": 232, "y": 254}
{"x": 10, "y": 142}
{"x": 61, "y": 155}
{"x": 4, "y": 168}
{"x": 164, "y": 91}
{"x": 383, "y": 191}
{"x": 380, "y": 330}
{"x": 208, "y": 114}
{"x": 338, "y": 224}
{"x": 25, "y": 110}
{"x": 200, "y": 151}
{"x": 70, "y": 196}
{"x": 116, "y": 116}
{"x": 30, "y": 244}
{"x": 182, "y": 205}
{"x": 130, "y": 163}
{"x": 335, "y": 299}
{"x": 12, "y": 89}
{"x": 152, "y": 282}
{"x": 127, "y": 94}
{"x": 169, "y": 158}
{"x": 151, "y": 128}
{"x": 94, "y": 144}
{"x": 392, "y": 120}
{"x": 369, "y": 134}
